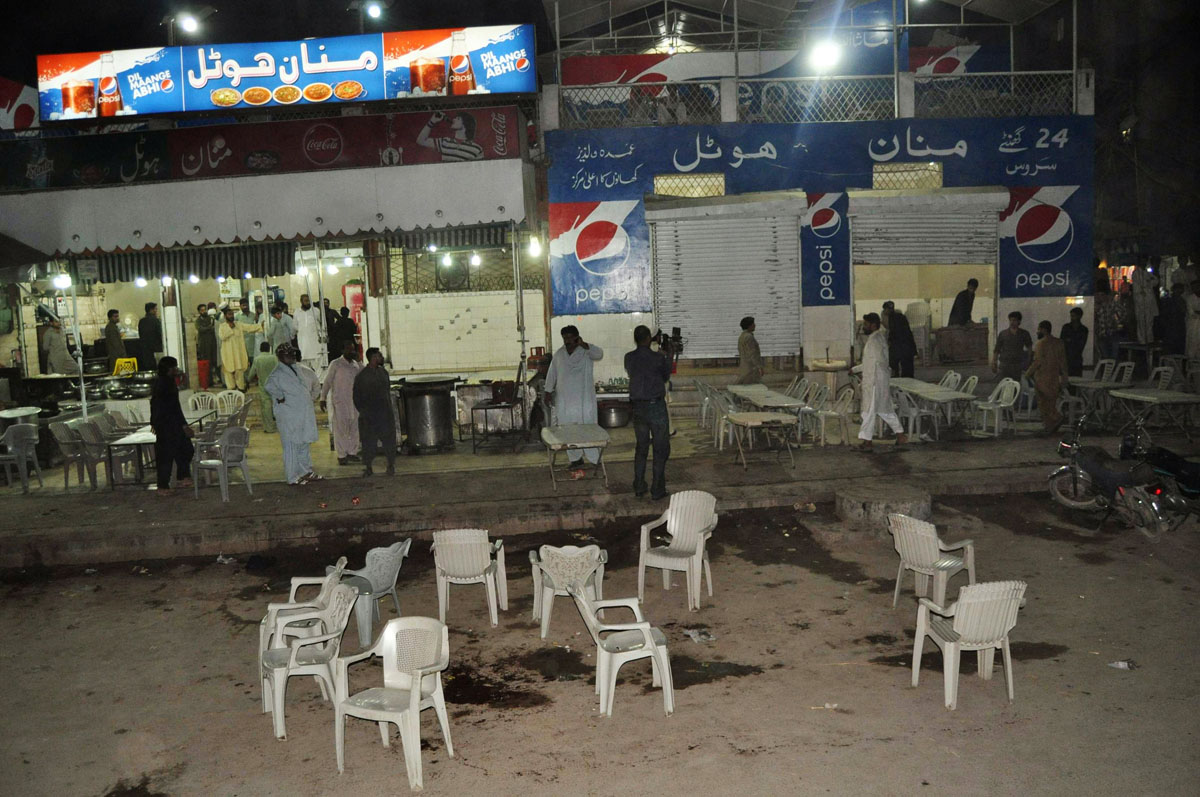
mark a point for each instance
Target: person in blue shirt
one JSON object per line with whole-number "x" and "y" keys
{"x": 648, "y": 372}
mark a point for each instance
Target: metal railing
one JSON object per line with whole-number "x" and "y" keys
{"x": 640, "y": 104}
{"x": 991, "y": 94}
{"x": 816, "y": 99}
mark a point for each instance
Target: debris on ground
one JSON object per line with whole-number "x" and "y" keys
{"x": 699, "y": 635}
{"x": 225, "y": 560}
{"x": 91, "y": 571}
{"x": 808, "y": 507}
{"x": 141, "y": 571}
{"x": 1123, "y": 664}
{"x": 829, "y": 706}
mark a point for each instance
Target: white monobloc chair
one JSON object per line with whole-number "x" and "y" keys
{"x": 925, "y": 555}
{"x": 466, "y": 556}
{"x": 298, "y": 617}
{"x": 307, "y": 655}
{"x": 227, "y": 453}
{"x": 690, "y": 519}
{"x": 375, "y": 582}
{"x": 979, "y": 620}
{"x": 230, "y": 401}
{"x": 19, "y": 444}
{"x": 414, "y": 650}
{"x": 620, "y": 643}
{"x": 999, "y": 403}
{"x": 837, "y": 415}
{"x": 202, "y": 401}
{"x": 555, "y": 568}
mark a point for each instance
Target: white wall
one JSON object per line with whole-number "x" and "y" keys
{"x": 460, "y": 332}
{"x": 827, "y": 327}
{"x": 611, "y": 332}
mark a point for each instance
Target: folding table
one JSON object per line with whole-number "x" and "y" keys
{"x": 574, "y": 437}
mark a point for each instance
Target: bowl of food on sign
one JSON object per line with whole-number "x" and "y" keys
{"x": 348, "y": 90}
{"x": 287, "y": 94}
{"x": 317, "y": 92}
{"x": 225, "y": 98}
{"x": 256, "y": 95}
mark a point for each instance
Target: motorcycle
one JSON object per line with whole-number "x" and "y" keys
{"x": 1180, "y": 476}
{"x": 1094, "y": 481}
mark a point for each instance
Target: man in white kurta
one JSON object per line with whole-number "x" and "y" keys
{"x": 337, "y": 398}
{"x": 292, "y": 388}
{"x": 1145, "y": 302}
{"x": 876, "y": 375}
{"x": 310, "y": 333}
{"x": 571, "y": 385}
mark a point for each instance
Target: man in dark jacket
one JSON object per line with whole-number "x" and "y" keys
{"x": 114, "y": 347}
{"x": 902, "y": 348}
{"x": 960, "y": 313}
{"x": 150, "y": 334}
{"x": 376, "y": 423}
{"x": 1074, "y": 336}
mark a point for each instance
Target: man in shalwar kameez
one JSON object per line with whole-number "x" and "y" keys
{"x": 293, "y": 390}
{"x": 339, "y": 381}
{"x": 876, "y": 374}
{"x": 572, "y": 387}
{"x": 232, "y": 335}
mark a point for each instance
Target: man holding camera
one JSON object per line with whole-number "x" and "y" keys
{"x": 648, "y": 374}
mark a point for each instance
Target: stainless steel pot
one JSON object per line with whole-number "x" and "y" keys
{"x": 613, "y": 414}
{"x": 429, "y": 413}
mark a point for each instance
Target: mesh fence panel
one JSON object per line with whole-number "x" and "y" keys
{"x": 640, "y": 104}
{"x": 691, "y": 185}
{"x": 1007, "y": 94}
{"x": 425, "y": 272}
{"x": 833, "y": 99}
{"x": 906, "y": 175}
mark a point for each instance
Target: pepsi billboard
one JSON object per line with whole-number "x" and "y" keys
{"x": 825, "y": 251}
{"x": 379, "y": 66}
{"x": 601, "y": 166}
{"x": 599, "y": 253}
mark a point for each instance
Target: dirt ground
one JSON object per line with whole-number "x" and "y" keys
{"x": 142, "y": 680}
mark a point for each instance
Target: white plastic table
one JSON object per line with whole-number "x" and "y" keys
{"x": 780, "y": 424}
{"x": 1152, "y": 398}
{"x": 1093, "y": 393}
{"x": 138, "y": 439}
{"x": 575, "y": 436}
{"x": 933, "y": 394}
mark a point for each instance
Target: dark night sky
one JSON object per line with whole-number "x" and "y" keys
{"x": 34, "y": 27}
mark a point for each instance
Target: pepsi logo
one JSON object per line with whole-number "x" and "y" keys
{"x": 602, "y": 247}
{"x": 825, "y": 222}
{"x": 460, "y": 64}
{"x": 108, "y": 85}
{"x": 522, "y": 64}
{"x": 948, "y": 65}
{"x": 167, "y": 84}
{"x": 1044, "y": 233}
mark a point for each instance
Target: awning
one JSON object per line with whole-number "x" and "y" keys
{"x": 206, "y": 262}
{"x": 16, "y": 259}
{"x": 452, "y": 237}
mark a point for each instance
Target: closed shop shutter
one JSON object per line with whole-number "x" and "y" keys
{"x": 710, "y": 272}
{"x": 933, "y": 235}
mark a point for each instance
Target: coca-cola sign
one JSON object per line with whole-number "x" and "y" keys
{"x": 322, "y": 144}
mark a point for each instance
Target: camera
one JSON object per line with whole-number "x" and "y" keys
{"x": 669, "y": 344}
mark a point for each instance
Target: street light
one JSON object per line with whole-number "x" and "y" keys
{"x": 368, "y": 8}
{"x": 535, "y": 246}
{"x": 825, "y": 55}
{"x": 186, "y": 21}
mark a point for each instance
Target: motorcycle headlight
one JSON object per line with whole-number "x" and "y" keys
{"x": 1064, "y": 448}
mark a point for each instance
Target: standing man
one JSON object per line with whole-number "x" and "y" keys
{"x": 376, "y": 423}
{"x": 150, "y": 334}
{"x": 1011, "y": 355}
{"x": 1110, "y": 318}
{"x": 1074, "y": 338}
{"x": 960, "y": 313}
{"x": 571, "y": 387}
{"x": 902, "y": 347}
{"x": 648, "y": 372}
{"x": 876, "y": 397}
{"x": 347, "y": 329}
{"x": 332, "y": 333}
{"x": 1174, "y": 321}
{"x": 58, "y": 355}
{"x": 206, "y": 344}
{"x": 1049, "y": 374}
{"x": 750, "y": 362}
{"x": 113, "y": 345}
{"x": 1193, "y": 321}
{"x": 280, "y": 329}
{"x": 251, "y": 322}
{"x": 232, "y": 335}
{"x": 260, "y": 371}
{"x": 309, "y": 332}
{"x": 290, "y": 387}
{"x": 1145, "y": 299}
{"x": 339, "y": 380}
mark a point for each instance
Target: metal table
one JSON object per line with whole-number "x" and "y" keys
{"x": 781, "y": 425}
{"x": 1153, "y": 399}
{"x": 1094, "y": 392}
{"x": 932, "y": 394}
{"x": 575, "y": 436}
{"x": 139, "y": 439}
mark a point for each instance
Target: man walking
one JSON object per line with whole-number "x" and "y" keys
{"x": 279, "y": 329}
{"x": 902, "y": 347}
{"x": 571, "y": 389}
{"x": 648, "y": 372}
{"x": 309, "y": 332}
{"x": 1049, "y": 374}
{"x": 291, "y": 390}
{"x": 58, "y": 354}
{"x": 1145, "y": 299}
{"x": 114, "y": 347}
{"x": 150, "y": 335}
{"x": 260, "y": 371}
{"x": 343, "y": 423}
{"x": 376, "y": 423}
{"x": 1011, "y": 354}
{"x": 1074, "y": 337}
{"x": 750, "y": 362}
{"x": 876, "y": 396}
{"x": 960, "y": 313}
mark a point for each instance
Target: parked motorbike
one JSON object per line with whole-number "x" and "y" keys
{"x": 1180, "y": 477}
{"x": 1094, "y": 481}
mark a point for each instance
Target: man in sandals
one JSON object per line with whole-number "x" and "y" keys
{"x": 291, "y": 387}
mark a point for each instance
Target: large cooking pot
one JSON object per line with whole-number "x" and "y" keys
{"x": 429, "y": 413}
{"x": 140, "y": 390}
{"x": 95, "y": 366}
{"x": 613, "y": 414}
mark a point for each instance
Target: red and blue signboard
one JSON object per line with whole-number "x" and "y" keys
{"x": 380, "y": 66}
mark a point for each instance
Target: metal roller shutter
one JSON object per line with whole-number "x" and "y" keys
{"x": 710, "y": 272}
{"x": 932, "y": 236}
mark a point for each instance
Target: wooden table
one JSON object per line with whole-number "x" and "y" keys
{"x": 1152, "y": 398}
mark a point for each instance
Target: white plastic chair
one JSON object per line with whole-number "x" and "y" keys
{"x": 1162, "y": 377}
{"x": 466, "y": 556}
{"x": 618, "y": 644}
{"x": 817, "y": 398}
{"x": 911, "y": 414}
{"x": 307, "y": 655}
{"x": 555, "y": 568}
{"x": 1070, "y": 405}
{"x": 923, "y": 553}
{"x": 838, "y": 414}
{"x": 950, "y": 379}
{"x": 1103, "y": 369}
{"x": 999, "y": 403}
{"x": 1123, "y": 373}
{"x": 228, "y": 452}
{"x": 20, "y": 448}
{"x": 96, "y": 452}
{"x": 230, "y": 401}
{"x": 414, "y": 650}
{"x": 297, "y": 617}
{"x": 969, "y": 385}
{"x": 984, "y": 614}
{"x": 690, "y": 519}
{"x": 379, "y": 574}
{"x": 71, "y": 447}
{"x": 202, "y": 401}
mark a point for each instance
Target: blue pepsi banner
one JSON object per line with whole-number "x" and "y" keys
{"x": 599, "y": 257}
{"x": 364, "y": 68}
{"x": 825, "y": 251}
{"x": 1046, "y": 241}
{"x": 595, "y": 166}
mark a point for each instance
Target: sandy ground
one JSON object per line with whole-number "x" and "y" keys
{"x": 144, "y": 681}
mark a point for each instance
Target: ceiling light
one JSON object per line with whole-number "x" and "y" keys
{"x": 432, "y": 247}
{"x": 220, "y": 278}
{"x": 192, "y": 278}
{"x": 166, "y": 281}
{"x": 247, "y": 276}
{"x": 476, "y": 259}
{"x": 140, "y": 282}
{"x": 446, "y": 259}
{"x": 331, "y": 269}
{"x": 301, "y": 271}
{"x": 535, "y": 246}
{"x": 347, "y": 261}
{"x": 62, "y": 281}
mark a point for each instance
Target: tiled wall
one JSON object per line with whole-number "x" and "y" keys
{"x": 468, "y": 331}
{"x": 613, "y": 333}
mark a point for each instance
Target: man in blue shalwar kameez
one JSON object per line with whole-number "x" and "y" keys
{"x": 292, "y": 390}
